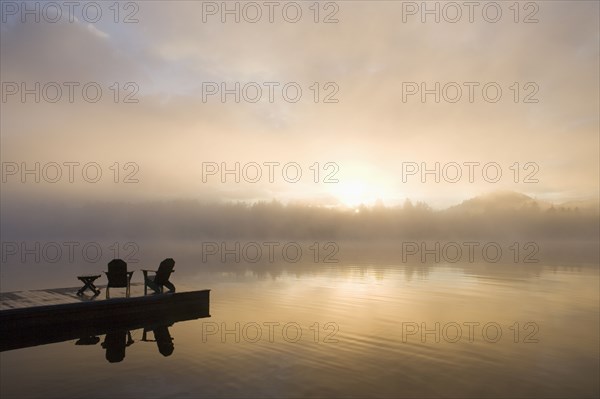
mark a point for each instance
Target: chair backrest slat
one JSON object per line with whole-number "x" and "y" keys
{"x": 164, "y": 271}
{"x": 117, "y": 273}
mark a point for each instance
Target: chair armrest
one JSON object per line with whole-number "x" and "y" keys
{"x": 146, "y": 271}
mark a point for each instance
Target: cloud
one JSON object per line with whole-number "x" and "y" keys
{"x": 97, "y": 31}
{"x": 368, "y": 54}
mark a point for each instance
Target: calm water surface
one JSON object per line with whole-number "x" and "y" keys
{"x": 350, "y": 330}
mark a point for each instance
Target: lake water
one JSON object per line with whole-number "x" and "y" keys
{"x": 351, "y": 329}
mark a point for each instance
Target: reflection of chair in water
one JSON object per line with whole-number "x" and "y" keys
{"x": 163, "y": 339}
{"x": 160, "y": 278}
{"x": 115, "y": 343}
{"x": 118, "y": 276}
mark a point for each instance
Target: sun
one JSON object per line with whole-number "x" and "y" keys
{"x": 356, "y": 192}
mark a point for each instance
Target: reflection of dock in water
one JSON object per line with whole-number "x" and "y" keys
{"x": 31, "y": 318}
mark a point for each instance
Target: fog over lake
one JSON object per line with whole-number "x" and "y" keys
{"x": 346, "y": 199}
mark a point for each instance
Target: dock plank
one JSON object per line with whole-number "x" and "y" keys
{"x": 60, "y": 296}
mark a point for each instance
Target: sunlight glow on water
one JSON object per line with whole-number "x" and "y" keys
{"x": 355, "y": 324}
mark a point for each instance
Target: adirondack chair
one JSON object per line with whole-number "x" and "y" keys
{"x": 118, "y": 276}
{"x": 160, "y": 278}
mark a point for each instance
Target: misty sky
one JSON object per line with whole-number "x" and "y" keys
{"x": 369, "y": 133}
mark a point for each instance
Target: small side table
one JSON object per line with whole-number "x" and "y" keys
{"x": 88, "y": 282}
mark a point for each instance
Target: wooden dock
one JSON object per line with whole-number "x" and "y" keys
{"x": 59, "y": 296}
{"x": 32, "y": 318}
